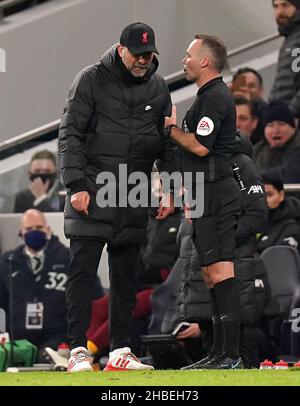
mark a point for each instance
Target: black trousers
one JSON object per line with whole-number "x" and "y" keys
{"x": 85, "y": 258}
{"x": 214, "y": 231}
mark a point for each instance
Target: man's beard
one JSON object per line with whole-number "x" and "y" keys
{"x": 282, "y": 21}
{"x": 139, "y": 73}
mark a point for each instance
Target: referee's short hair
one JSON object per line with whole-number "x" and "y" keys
{"x": 217, "y": 48}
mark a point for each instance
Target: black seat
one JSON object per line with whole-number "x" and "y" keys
{"x": 162, "y": 299}
{"x": 283, "y": 267}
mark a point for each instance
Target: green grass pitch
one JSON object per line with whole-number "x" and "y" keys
{"x": 154, "y": 378}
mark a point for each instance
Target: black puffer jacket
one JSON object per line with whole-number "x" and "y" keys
{"x": 158, "y": 256}
{"x": 286, "y": 85}
{"x": 254, "y": 209}
{"x": 254, "y": 214}
{"x": 190, "y": 298}
{"x": 161, "y": 250}
{"x": 111, "y": 118}
{"x": 283, "y": 226}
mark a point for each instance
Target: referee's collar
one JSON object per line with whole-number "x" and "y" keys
{"x": 209, "y": 83}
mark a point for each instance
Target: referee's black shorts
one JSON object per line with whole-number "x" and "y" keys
{"x": 214, "y": 232}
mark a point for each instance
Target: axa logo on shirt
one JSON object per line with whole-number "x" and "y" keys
{"x": 255, "y": 189}
{"x": 205, "y": 126}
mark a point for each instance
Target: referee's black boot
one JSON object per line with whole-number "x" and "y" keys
{"x": 224, "y": 362}
{"x": 199, "y": 364}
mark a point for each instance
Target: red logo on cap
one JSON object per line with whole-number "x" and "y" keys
{"x": 145, "y": 38}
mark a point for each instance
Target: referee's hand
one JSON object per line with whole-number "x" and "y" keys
{"x": 172, "y": 120}
{"x": 80, "y": 202}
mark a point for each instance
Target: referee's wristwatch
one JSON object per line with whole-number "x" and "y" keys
{"x": 168, "y": 129}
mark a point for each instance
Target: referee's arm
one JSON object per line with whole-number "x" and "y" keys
{"x": 188, "y": 141}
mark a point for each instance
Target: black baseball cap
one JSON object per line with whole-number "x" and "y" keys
{"x": 138, "y": 38}
{"x": 295, "y": 3}
{"x": 278, "y": 110}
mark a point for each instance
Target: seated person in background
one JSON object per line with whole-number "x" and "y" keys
{"x": 38, "y": 269}
{"x": 279, "y": 152}
{"x": 156, "y": 259}
{"x": 44, "y": 187}
{"x": 246, "y": 121}
{"x": 98, "y": 332}
{"x": 282, "y": 227}
{"x": 247, "y": 83}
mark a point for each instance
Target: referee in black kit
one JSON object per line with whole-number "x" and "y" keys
{"x": 206, "y": 145}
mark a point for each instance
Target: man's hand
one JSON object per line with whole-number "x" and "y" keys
{"x": 38, "y": 188}
{"x": 187, "y": 213}
{"x": 80, "y": 202}
{"x": 193, "y": 331}
{"x": 173, "y": 119}
{"x": 166, "y": 207}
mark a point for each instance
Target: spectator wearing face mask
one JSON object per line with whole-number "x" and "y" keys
{"x": 37, "y": 271}
{"x": 44, "y": 187}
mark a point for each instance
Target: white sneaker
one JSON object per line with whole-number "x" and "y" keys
{"x": 80, "y": 360}
{"x": 122, "y": 359}
{"x": 60, "y": 363}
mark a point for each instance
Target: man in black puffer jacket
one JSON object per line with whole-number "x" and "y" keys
{"x": 286, "y": 86}
{"x": 111, "y": 128}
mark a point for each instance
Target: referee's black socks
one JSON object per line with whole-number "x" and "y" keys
{"x": 217, "y": 346}
{"x": 228, "y": 301}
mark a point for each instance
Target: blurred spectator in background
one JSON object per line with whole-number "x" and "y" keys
{"x": 279, "y": 152}
{"x": 44, "y": 187}
{"x": 245, "y": 118}
{"x": 38, "y": 272}
{"x": 283, "y": 226}
{"x": 286, "y": 85}
{"x": 247, "y": 83}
